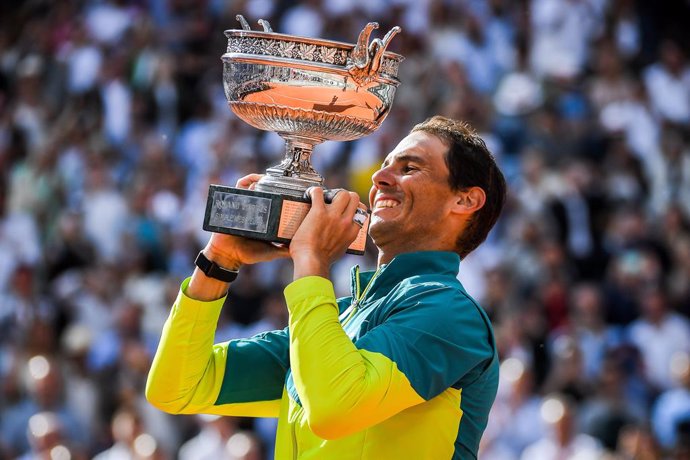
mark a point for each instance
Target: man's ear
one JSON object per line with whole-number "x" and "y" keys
{"x": 469, "y": 200}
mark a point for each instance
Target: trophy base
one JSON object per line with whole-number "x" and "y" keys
{"x": 263, "y": 216}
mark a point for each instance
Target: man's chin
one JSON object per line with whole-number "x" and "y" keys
{"x": 381, "y": 228}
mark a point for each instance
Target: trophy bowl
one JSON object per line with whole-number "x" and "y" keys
{"x": 307, "y": 90}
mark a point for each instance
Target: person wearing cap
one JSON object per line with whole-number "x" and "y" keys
{"x": 405, "y": 367}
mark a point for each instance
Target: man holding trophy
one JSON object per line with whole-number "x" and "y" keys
{"x": 406, "y": 367}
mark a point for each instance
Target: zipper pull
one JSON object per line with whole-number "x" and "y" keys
{"x": 350, "y": 312}
{"x": 357, "y": 285}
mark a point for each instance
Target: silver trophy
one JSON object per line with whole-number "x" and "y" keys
{"x": 308, "y": 91}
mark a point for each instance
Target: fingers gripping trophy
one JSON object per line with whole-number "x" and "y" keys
{"x": 308, "y": 91}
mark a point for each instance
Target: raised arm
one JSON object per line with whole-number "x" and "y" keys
{"x": 189, "y": 373}
{"x": 435, "y": 339}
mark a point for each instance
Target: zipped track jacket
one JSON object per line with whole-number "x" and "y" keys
{"x": 405, "y": 368}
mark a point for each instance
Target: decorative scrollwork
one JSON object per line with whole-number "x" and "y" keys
{"x": 306, "y": 51}
{"x": 390, "y": 67}
{"x": 309, "y": 52}
{"x": 328, "y": 54}
{"x": 286, "y": 48}
{"x": 272, "y": 48}
{"x": 341, "y": 57}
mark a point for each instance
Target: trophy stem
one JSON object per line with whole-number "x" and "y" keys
{"x": 295, "y": 174}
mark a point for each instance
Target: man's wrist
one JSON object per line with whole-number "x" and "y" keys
{"x": 222, "y": 260}
{"x": 213, "y": 270}
{"x": 206, "y": 288}
{"x": 306, "y": 265}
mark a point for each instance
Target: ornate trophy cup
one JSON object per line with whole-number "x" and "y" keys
{"x": 308, "y": 91}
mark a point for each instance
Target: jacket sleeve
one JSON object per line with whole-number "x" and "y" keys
{"x": 190, "y": 374}
{"x": 432, "y": 340}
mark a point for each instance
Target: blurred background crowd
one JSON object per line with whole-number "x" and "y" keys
{"x": 113, "y": 123}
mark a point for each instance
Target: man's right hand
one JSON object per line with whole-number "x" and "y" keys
{"x": 232, "y": 252}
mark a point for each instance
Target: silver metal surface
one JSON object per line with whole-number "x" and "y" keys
{"x": 360, "y": 217}
{"x": 308, "y": 91}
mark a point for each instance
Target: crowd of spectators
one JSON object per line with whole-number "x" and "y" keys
{"x": 113, "y": 123}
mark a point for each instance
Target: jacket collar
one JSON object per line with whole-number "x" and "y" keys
{"x": 401, "y": 267}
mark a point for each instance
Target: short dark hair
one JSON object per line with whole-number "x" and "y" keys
{"x": 470, "y": 165}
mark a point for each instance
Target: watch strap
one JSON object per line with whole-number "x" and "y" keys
{"x": 213, "y": 270}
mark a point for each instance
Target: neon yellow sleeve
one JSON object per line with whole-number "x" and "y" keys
{"x": 342, "y": 389}
{"x": 188, "y": 370}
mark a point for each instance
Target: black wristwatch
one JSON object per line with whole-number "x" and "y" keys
{"x": 213, "y": 270}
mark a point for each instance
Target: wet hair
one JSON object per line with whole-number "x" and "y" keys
{"x": 470, "y": 165}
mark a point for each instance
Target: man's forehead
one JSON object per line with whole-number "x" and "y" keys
{"x": 418, "y": 145}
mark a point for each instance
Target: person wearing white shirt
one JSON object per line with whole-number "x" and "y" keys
{"x": 659, "y": 334}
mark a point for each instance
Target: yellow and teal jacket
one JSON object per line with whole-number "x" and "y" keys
{"x": 405, "y": 368}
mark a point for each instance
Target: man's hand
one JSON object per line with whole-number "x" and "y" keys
{"x": 325, "y": 233}
{"x": 231, "y": 252}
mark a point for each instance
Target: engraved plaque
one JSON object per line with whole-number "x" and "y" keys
{"x": 240, "y": 212}
{"x": 262, "y": 216}
{"x": 291, "y": 216}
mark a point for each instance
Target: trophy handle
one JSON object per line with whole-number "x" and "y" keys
{"x": 266, "y": 26}
{"x": 360, "y": 54}
{"x": 295, "y": 173}
{"x": 365, "y": 58}
{"x": 378, "y": 47}
{"x": 243, "y": 22}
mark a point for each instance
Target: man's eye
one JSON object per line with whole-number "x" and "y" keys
{"x": 409, "y": 168}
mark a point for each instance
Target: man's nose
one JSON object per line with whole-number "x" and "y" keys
{"x": 383, "y": 177}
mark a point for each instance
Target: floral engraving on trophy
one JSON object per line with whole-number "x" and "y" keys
{"x": 390, "y": 66}
{"x": 328, "y": 54}
{"x": 311, "y": 52}
{"x": 285, "y": 49}
{"x": 272, "y": 47}
{"x": 306, "y": 51}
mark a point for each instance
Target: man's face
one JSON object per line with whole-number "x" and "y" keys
{"x": 410, "y": 195}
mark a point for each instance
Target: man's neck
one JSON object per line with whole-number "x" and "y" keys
{"x": 391, "y": 251}
{"x": 386, "y": 255}
{"x": 384, "y": 258}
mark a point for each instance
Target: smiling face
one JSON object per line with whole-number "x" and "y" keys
{"x": 411, "y": 199}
